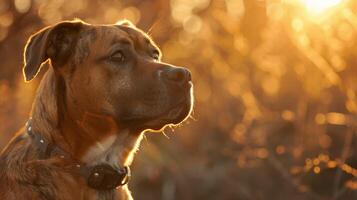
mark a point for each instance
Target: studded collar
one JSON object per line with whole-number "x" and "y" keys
{"x": 99, "y": 177}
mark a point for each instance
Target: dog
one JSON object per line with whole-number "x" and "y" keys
{"x": 105, "y": 86}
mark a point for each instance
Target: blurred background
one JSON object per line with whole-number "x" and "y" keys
{"x": 275, "y": 93}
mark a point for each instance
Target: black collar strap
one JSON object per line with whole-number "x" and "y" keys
{"x": 100, "y": 177}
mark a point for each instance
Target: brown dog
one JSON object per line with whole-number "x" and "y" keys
{"x": 105, "y": 86}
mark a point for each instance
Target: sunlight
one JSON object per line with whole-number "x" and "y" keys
{"x": 320, "y": 6}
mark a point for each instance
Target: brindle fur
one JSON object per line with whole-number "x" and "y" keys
{"x": 89, "y": 108}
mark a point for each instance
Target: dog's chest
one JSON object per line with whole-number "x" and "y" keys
{"x": 115, "y": 150}
{"x": 69, "y": 187}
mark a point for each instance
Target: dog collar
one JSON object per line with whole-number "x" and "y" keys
{"x": 99, "y": 177}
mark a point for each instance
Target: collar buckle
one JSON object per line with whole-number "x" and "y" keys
{"x": 105, "y": 177}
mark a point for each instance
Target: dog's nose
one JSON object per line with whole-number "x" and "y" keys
{"x": 177, "y": 75}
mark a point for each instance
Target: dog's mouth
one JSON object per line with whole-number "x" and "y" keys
{"x": 178, "y": 112}
{"x": 172, "y": 116}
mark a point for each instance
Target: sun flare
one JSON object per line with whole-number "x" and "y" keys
{"x": 320, "y": 6}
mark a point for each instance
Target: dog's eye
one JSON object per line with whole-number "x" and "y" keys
{"x": 118, "y": 56}
{"x": 156, "y": 55}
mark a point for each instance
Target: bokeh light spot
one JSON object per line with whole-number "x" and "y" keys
{"x": 192, "y": 24}
{"x": 22, "y": 6}
{"x": 319, "y": 6}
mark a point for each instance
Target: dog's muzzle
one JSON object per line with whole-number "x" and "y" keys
{"x": 99, "y": 177}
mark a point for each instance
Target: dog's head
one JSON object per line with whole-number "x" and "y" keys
{"x": 112, "y": 70}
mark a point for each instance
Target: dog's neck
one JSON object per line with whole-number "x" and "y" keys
{"x": 89, "y": 137}
{"x": 115, "y": 150}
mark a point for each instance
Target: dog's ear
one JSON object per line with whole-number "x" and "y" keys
{"x": 54, "y": 42}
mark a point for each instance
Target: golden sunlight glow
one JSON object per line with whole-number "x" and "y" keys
{"x": 320, "y": 6}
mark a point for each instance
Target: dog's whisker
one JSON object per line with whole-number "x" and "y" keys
{"x": 154, "y": 24}
{"x": 192, "y": 117}
{"x": 163, "y": 132}
{"x": 152, "y": 27}
{"x": 171, "y": 126}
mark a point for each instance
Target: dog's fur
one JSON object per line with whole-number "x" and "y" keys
{"x": 104, "y": 87}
